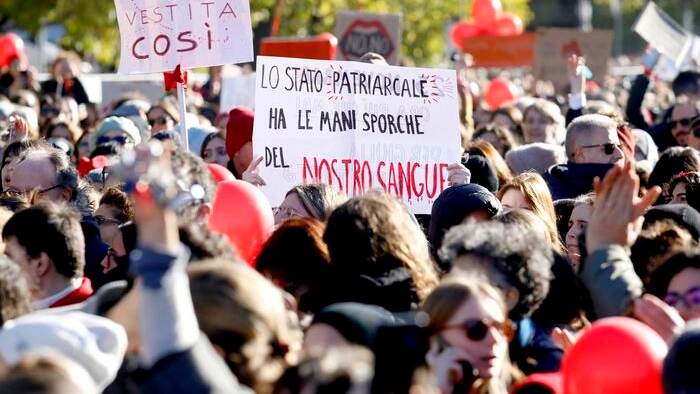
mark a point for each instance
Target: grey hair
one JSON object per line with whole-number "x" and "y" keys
{"x": 583, "y": 125}
{"x": 514, "y": 257}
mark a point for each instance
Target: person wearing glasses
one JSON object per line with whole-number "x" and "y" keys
{"x": 679, "y": 123}
{"x": 519, "y": 263}
{"x": 592, "y": 148}
{"x": 115, "y": 129}
{"x": 469, "y": 331}
{"x": 677, "y": 283}
{"x": 161, "y": 117}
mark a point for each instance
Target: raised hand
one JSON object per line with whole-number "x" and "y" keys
{"x": 575, "y": 71}
{"x": 251, "y": 174}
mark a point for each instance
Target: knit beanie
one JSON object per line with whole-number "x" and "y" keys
{"x": 115, "y": 123}
{"x": 239, "y": 129}
{"x": 538, "y": 156}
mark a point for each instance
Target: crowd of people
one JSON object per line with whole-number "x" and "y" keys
{"x": 562, "y": 258}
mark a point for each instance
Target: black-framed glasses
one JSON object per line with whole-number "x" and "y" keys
{"x": 160, "y": 120}
{"x": 683, "y": 122}
{"x": 14, "y": 192}
{"x": 608, "y": 148}
{"x": 690, "y": 298}
{"x": 476, "y": 330}
{"x": 119, "y": 139}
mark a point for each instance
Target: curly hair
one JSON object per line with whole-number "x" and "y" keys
{"x": 510, "y": 255}
{"x": 691, "y": 179}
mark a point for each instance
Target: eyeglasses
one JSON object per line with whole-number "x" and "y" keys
{"x": 120, "y": 139}
{"x": 476, "y": 330}
{"x": 608, "y": 148}
{"x": 103, "y": 220}
{"x": 287, "y": 212}
{"x": 161, "y": 120}
{"x": 691, "y": 298}
{"x": 683, "y": 122}
{"x": 14, "y": 192}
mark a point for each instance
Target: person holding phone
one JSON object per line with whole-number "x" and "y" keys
{"x": 469, "y": 332}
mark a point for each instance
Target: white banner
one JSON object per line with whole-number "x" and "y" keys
{"x": 157, "y": 35}
{"x": 357, "y": 126}
{"x": 663, "y": 33}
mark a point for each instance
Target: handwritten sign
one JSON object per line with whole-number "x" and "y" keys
{"x": 157, "y": 35}
{"x": 362, "y": 32}
{"x": 554, "y": 46}
{"x": 357, "y": 126}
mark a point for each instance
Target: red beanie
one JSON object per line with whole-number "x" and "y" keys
{"x": 239, "y": 129}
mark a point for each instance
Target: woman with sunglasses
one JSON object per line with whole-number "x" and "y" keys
{"x": 677, "y": 282}
{"x": 469, "y": 332}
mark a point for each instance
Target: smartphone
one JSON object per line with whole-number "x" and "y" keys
{"x": 400, "y": 350}
{"x": 469, "y": 373}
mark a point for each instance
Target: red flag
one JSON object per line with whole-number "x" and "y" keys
{"x": 172, "y": 78}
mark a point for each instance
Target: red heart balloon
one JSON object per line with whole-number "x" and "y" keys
{"x": 508, "y": 25}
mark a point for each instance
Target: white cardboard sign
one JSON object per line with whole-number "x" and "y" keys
{"x": 357, "y": 126}
{"x": 157, "y": 35}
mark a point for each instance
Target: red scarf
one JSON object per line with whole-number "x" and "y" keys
{"x": 77, "y": 296}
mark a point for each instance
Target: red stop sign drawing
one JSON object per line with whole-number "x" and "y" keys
{"x": 364, "y": 36}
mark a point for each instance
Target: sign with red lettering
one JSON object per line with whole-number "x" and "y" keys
{"x": 357, "y": 126}
{"x": 157, "y": 35}
{"x": 362, "y": 32}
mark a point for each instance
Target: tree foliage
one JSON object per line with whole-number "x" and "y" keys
{"x": 92, "y": 30}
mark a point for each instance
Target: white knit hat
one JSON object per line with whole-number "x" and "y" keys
{"x": 95, "y": 343}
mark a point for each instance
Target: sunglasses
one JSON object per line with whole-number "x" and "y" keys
{"x": 161, "y": 120}
{"x": 690, "y": 298}
{"x": 476, "y": 330}
{"x": 120, "y": 139}
{"x": 608, "y": 148}
{"x": 683, "y": 122}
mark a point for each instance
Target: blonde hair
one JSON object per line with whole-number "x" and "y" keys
{"x": 536, "y": 192}
{"x": 319, "y": 199}
{"x": 245, "y": 314}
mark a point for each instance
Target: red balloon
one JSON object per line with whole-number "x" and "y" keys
{"x": 616, "y": 355}
{"x": 463, "y": 30}
{"x": 486, "y": 12}
{"x": 11, "y": 48}
{"x": 220, "y": 173}
{"x": 242, "y": 213}
{"x": 500, "y": 91}
{"x": 508, "y": 25}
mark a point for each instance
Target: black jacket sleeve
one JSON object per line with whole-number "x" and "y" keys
{"x": 634, "y": 103}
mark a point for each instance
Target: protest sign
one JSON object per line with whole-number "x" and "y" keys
{"x": 494, "y": 51}
{"x": 237, "y": 90}
{"x": 319, "y": 47}
{"x": 554, "y": 46}
{"x": 663, "y": 33}
{"x": 158, "y": 36}
{"x": 356, "y": 126}
{"x": 362, "y": 32}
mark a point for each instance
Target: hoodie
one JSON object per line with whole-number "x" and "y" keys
{"x": 573, "y": 179}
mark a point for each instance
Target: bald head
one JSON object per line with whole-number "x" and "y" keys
{"x": 46, "y": 172}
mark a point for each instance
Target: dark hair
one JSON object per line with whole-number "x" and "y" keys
{"x": 686, "y": 82}
{"x": 503, "y": 135}
{"x": 42, "y": 375}
{"x": 512, "y": 256}
{"x": 662, "y": 276}
{"x": 75, "y": 131}
{"x": 118, "y": 199}
{"x": 295, "y": 254}
{"x": 673, "y": 161}
{"x": 53, "y": 229}
{"x": 208, "y": 139}
{"x": 374, "y": 235}
{"x": 656, "y": 243}
{"x": 15, "y": 297}
{"x": 692, "y": 187}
